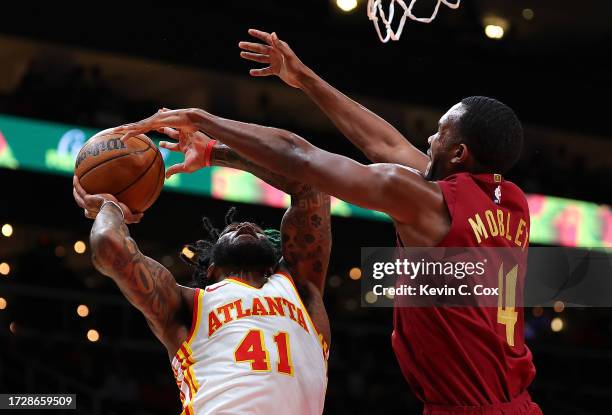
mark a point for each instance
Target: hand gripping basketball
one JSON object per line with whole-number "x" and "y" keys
{"x": 179, "y": 119}
{"x": 92, "y": 204}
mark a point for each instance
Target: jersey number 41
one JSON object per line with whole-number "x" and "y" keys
{"x": 252, "y": 349}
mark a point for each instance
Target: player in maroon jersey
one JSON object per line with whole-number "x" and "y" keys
{"x": 493, "y": 136}
{"x": 457, "y": 360}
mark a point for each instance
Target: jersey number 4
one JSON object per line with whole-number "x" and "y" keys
{"x": 252, "y": 349}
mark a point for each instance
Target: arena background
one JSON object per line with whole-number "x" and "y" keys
{"x": 66, "y": 72}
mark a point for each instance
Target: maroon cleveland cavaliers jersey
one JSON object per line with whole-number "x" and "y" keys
{"x": 471, "y": 356}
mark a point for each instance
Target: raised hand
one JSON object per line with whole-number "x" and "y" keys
{"x": 92, "y": 204}
{"x": 283, "y": 62}
{"x": 192, "y": 145}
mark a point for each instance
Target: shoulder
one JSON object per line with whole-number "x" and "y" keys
{"x": 514, "y": 189}
{"x": 411, "y": 197}
{"x": 188, "y": 297}
{"x": 516, "y": 197}
{"x": 393, "y": 174}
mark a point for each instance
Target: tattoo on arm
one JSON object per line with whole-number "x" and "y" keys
{"x": 305, "y": 229}
{"x": 226, "y": 157}
{"x": 148, "y": 285}
{"x": 306, "y": 235}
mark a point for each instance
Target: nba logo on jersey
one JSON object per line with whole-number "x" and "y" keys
{"x": 497, "y": 194}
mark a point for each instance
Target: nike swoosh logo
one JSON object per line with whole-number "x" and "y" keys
{"x": 210, "y": 289}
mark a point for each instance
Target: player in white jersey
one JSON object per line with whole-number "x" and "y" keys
{"x": 253, "y": 336}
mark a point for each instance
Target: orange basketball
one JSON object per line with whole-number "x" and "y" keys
{"x": 132, "y": 170}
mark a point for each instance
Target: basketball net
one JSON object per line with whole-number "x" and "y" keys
{"x": 376, "y": 12}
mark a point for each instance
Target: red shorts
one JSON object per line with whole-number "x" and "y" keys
{"x": 521, "y": 405}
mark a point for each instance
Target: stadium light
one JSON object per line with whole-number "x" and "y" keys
{"x": 80, "y": 247}
{"x": 370, "y": 297}
{"x": 5, "y": 268}
{"x": 83, "y": 310}
{"x": 7, "y": 230}
{"x": 495, "y": 27}
{"x": 494, "y": 32}
{"x": 559, "y": 306}
{"x": 355, "y": 273}
{"x": 93, "y": 335}
{"x": 346, "y": 5}
{"x": 3, "y": 303}
{"x": 556, "y": 324}
{"x": 13, "y": 327}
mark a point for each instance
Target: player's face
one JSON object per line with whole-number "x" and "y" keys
{"x": 243, "y": 246}
{"x": 243, "y": 231}
{"x": 439, "y": 151}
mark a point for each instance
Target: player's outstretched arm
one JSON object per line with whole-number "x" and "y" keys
{"x": 375, "y": 137}
{"x": 399, "y": 191}
{"x": 197, "y": 155}
{"x": 146, "y": 284}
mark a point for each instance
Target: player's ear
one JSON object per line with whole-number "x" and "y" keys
{"x": 460, "y": 154}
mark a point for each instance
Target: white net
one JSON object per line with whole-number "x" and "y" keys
{"x": 378, "y": 15}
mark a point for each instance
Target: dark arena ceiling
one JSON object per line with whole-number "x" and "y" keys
{"x": 553, "y": 68}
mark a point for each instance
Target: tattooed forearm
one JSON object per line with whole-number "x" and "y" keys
{"x": 145, "y": 283}
{"x": 226, "y": 157}
{"x": 306, "y": 236}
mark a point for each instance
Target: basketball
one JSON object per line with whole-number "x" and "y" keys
{"x": 132, "y": 170}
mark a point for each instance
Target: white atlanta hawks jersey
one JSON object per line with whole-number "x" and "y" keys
{"x": 251, "y": 351}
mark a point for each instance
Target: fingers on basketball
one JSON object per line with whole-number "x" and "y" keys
{"x": 77, "y": 198}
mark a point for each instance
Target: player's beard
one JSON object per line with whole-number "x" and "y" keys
{"x": 247, "y": 255}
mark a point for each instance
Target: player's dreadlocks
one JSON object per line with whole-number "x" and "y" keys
{"x": 201, "y": 250}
